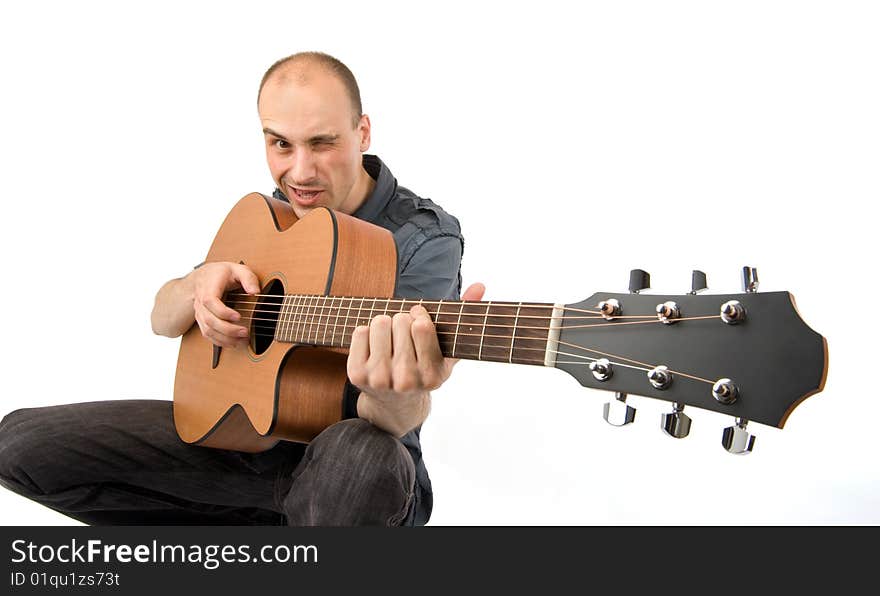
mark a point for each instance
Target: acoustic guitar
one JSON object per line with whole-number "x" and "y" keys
{"x": 748, "y": 355}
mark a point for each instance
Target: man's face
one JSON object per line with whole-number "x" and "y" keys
{"x": 312, "y": 147}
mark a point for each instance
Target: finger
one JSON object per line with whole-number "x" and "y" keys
{"x": 401, "y": 338}
{"x": 219, "y": 309}
{"x": 208, "y": 333}
{"x": 214, "y": 317}
{"x": 358, "y": 353}
{"x": 379, "y": 362}
{"x": 474, "y": 292}
{"x": 246, "y": 278}
{"x": 427, "y": 348}
{"x": 207, "y": 323}
{"x": 405, "y": 374}
{"x": 380, "y": 337}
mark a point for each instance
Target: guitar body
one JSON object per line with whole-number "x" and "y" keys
{"x": 249, "y": 398}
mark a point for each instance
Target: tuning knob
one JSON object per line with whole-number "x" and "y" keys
{"x": 736, "y": 439}
{"x": 750, "y": 279}
{"x": 698, "y": 281}
{"x": 639, "y": 280}
{"x": 602, "y": 369}
{"x": 676, "y": 424}
{"x": 617, "y": 412}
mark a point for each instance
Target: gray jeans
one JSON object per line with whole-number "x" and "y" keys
{"x": 120, "y": 462}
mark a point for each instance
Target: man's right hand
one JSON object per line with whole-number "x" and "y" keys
{"x": 198, "y": 298}
{"x": 215, "y": 319}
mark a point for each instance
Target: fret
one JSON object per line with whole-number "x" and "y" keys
{"x": 316, "y": 320}
{"x": 483, "y": 330}
{"x": 295, "y": 320}
{"x": 336, "y": 321}
{"x": 404, "y": 307}
{"x": 281, "y": 329}
{"x": 293, "y": 325}
{"x": 304, "y": 318}
{"x": 513, "y": 336}
{"x": 478, "y": 331}
{"x": 443, "y": 330}
{"x": 311, "y": 315}
{"x": 279, "y": 322}
{"x": 346, "y": 335}
{"x": 327, "y": 320}
{"x": 372, "y": 309}
{"x": 457, "y": 325}
{"x": 290, "y": 318}
{"x": 531, "y": 335}
{"x": 300, "y": 321}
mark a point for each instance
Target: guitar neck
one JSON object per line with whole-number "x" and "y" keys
{"x": 511, "y": 332}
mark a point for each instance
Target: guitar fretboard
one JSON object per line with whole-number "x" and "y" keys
{"x": 492, "y": 331}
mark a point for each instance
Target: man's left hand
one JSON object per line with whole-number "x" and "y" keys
{"x": 396, "y": 362}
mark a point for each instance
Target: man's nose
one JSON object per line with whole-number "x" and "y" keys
{"x": 302, "y": 169}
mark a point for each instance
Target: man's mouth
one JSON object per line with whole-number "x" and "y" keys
{"x": 304, "y": 196}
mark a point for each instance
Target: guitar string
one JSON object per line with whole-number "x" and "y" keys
{"x": 589, "y": 360}
{"x": 311, "y": 314}
{"x": 644, "y": 365}
{"x": 307, "y": 324}
{"x": 378, "y": 310}
{"x": 310, "y": 319}
{"x": 307, "y": 335}
{"x": 455, "y": 302}
{"x": 312, "y": 308}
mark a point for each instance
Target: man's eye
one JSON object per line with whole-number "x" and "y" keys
{"x": 281, "y": 144}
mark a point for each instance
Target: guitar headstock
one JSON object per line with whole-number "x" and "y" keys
{"x": 747, "y": 355}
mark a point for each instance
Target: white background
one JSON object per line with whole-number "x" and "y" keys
{"x": 574, "y": 144}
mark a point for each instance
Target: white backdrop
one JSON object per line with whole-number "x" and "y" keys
{"x": 574, "y": 144}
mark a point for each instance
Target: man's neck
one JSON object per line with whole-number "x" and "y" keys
{"x": 362, "y": 189}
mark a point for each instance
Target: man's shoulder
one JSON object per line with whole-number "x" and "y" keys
{"x": 407, "y": 209}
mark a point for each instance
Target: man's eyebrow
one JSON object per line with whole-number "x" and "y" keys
{"x": 327, "y": 138}
{"x": 324, "y": 138}
{"x": 269, "y": 131}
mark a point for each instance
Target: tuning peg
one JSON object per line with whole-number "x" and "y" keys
{"x": 676, "y": 424}
{"x": 736, "y": 439}
{"x": 639, "y": 280}
{"x": 617, "y": 412}
{"x": 750, "y": 279}
{"x": 698, "y": 281}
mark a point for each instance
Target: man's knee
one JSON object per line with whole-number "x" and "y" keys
{"x": 357, "y": 439}
{"x": 353, "y": 474}
{"x": 20, "y": 437}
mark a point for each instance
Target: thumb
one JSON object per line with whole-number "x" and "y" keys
{"x": 475, "y": 291}
{"x": 247, "y": 279}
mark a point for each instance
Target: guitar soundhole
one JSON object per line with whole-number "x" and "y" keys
{"x": 265, "y": 319}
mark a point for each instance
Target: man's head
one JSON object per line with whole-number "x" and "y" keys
{"x": 315, "y": 133}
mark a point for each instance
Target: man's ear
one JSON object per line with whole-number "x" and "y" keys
{"x": 364, "y": 130}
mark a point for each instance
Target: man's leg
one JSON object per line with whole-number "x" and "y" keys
{"x": 352, "y": 474}
{"x": 120, "y": 462}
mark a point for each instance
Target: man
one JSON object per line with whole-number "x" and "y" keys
{"x": 121, "y": 462}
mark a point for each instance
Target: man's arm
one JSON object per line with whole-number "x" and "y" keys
{"x": 198, "y": 297}
{"x": 397, "y": 362}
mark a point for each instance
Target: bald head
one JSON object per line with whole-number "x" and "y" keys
{"x": 303, "y": 67}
